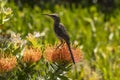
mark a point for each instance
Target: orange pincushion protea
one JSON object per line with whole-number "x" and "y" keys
{"x": 62, "y": 54}
{"x": 32, "y": 55}
{"x": 7, "y": 63}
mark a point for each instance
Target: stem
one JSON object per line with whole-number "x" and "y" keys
{"x": 1, "y": 14}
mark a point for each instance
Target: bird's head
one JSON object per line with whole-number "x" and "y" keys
{"x": 55, "y": 17}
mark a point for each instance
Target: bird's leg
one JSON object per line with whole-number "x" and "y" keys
{"x": 62, "y": 42}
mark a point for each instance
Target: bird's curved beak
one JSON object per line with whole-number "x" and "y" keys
{"x": 47, "y": 15}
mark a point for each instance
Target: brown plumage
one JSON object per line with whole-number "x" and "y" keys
{"x": 61, "y": 33}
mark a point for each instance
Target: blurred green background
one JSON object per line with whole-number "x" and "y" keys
{"x": 93, "y": 25}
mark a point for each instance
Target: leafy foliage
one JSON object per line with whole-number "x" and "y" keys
{"x": 97, "y": 38}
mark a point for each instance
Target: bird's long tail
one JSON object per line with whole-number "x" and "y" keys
{"x": 72, "y": 57}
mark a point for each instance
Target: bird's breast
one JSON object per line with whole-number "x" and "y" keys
{"x": 57, "y": 31}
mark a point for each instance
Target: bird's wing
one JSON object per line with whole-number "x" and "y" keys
{"x": 63, "y": 29}
{"x": 64, "y": 33}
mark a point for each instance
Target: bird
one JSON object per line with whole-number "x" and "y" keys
{"x": 61, "y": 33}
